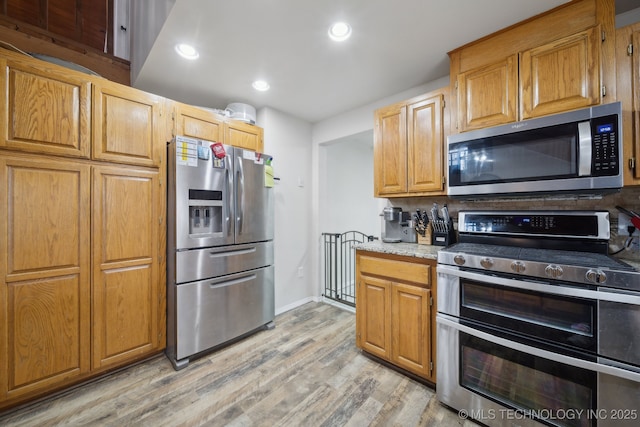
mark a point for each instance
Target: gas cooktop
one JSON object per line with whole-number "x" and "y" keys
{"x": 566, "y": 246}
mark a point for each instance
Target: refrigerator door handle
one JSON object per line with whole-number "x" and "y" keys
{"x": 230, "y": 282}
{"x": 240, "y": 196}
{"x": 229, "y": 181}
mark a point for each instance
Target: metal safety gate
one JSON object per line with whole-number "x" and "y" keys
{"x": 339, "y": 265}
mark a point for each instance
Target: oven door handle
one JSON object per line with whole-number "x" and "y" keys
{"x": 529, "y": 285}
{"x": 452, "y": 322}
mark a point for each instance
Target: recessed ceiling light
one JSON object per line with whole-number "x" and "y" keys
{"x": 340, "y": 31}
{"x": 187, "y": 51}
{"x": 260, "y": 85}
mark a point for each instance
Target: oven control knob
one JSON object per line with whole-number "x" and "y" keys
{"x": 459, "y": 259}
{"x": 553, "y": 271}
{"x": 486, "y": 263}
{"x": 518, "y": 267}
{"x": 596, "y": 276}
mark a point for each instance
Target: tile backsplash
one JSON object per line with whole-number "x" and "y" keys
{"x": 627, "y": 197}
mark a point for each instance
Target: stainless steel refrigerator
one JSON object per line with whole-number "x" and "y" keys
{"x": 220, "y": 274}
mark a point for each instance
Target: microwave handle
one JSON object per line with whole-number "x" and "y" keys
{"x": 586, "y": 149}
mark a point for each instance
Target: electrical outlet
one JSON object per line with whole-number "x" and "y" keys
{"x": 300, "y": 271}
{"x": 623, "y": 223}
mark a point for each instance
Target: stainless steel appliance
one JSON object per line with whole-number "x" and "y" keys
{"x": 220, "y": 274}
{"x": 578, "y": 151}
{"x": 397, "y": 226}
{"x": 536, "y": 324}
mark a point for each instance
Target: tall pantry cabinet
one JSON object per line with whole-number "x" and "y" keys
{"x": 81, "y": 217}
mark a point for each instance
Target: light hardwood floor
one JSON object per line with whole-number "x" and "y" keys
{"x": 305, "y": 372}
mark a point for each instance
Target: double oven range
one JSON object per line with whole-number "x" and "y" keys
{"x": 537, "y": 324}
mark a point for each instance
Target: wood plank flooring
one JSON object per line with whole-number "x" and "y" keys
{"x": 305, "y": 372}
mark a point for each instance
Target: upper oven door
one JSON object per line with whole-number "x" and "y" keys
{"x": 200, "y": 204}
{"x": 521, "y": 307}
{"x": 592, "y": 320}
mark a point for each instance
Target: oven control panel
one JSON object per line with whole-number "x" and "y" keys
{"x": 575, "y": 224}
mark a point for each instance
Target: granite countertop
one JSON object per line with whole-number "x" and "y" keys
{"x": 403, "y": 249}
{"x": 632, "y": 261}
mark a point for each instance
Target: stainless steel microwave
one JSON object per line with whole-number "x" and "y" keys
{"x": 576, "y": 152}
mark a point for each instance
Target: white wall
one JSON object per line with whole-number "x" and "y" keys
{"x": 288, "y": 140}
{"x": 630, "y": 17}
{"x": 346, "y": 186}
{"x": 338, "y": 130}
{"x": 147, "y": 19}
{"x": 361, "y": 119}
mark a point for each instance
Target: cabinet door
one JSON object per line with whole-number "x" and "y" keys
{"x": 424, "y": 145}
{"x": 244, "y": 135}
{"x": 636, "y": 104}
{"x": 562, "y": 75}
{"x": 373, "y": 316}
{"x": 488, "y": 96}
{"x": 44, "y": 110}
{"x": 45, "y": 289}
{"x": 410, "y": 328}
{"x": 390, "y": 150}
{"x": 198, "y": 123}
{"x": 126, "y": 292}
{"x": 628, "y": 89}
{"x": 127, "y": 125}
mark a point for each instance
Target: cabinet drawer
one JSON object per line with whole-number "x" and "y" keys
{"x": 398, "y": 270}
{"x": 222, "y": 260}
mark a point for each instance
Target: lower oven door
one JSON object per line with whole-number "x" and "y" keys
{"x": 501, "y": 382}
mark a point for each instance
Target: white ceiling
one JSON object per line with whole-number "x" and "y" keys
{"x": 396, "y": 45}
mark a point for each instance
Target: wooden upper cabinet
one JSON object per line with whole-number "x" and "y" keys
{"x": 244, "y": 135}
{"x": 408, "y": 143}
{"x": 488, "y": 96}
{"x": 628, "y": 81}
{"x": 560, "y": 60}
{"x": 44, "y": 110}
{"x": 127, "y": 125}
{"x": 390, "y": 150}
{"x": 45, "y": 285}
{"x": 198, "y": 123}
{"x": 561, "y": 75}
{"x": 425, "y": 141}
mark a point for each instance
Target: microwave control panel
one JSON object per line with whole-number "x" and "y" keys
{"x": 604, "y": 142}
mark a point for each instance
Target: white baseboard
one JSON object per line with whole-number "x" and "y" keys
{"x": 298, "y": 303}
{"x": 337, "y": 304}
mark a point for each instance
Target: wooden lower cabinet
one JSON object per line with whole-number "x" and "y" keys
{"x": 125, "y": 264}
{"x": 61, "y": 323}
{"x": 395, "y": 312}
{"x": 45, "y": 278}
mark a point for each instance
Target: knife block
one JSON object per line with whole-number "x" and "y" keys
{"x": 446, "y": 236}
{"x": 427, "y": 238}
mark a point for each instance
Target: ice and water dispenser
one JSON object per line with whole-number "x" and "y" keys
{"x": 205, "y": 212}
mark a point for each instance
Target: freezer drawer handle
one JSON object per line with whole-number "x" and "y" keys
{"x": 232, "y": 253}
{"x": 233, "y": 281}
